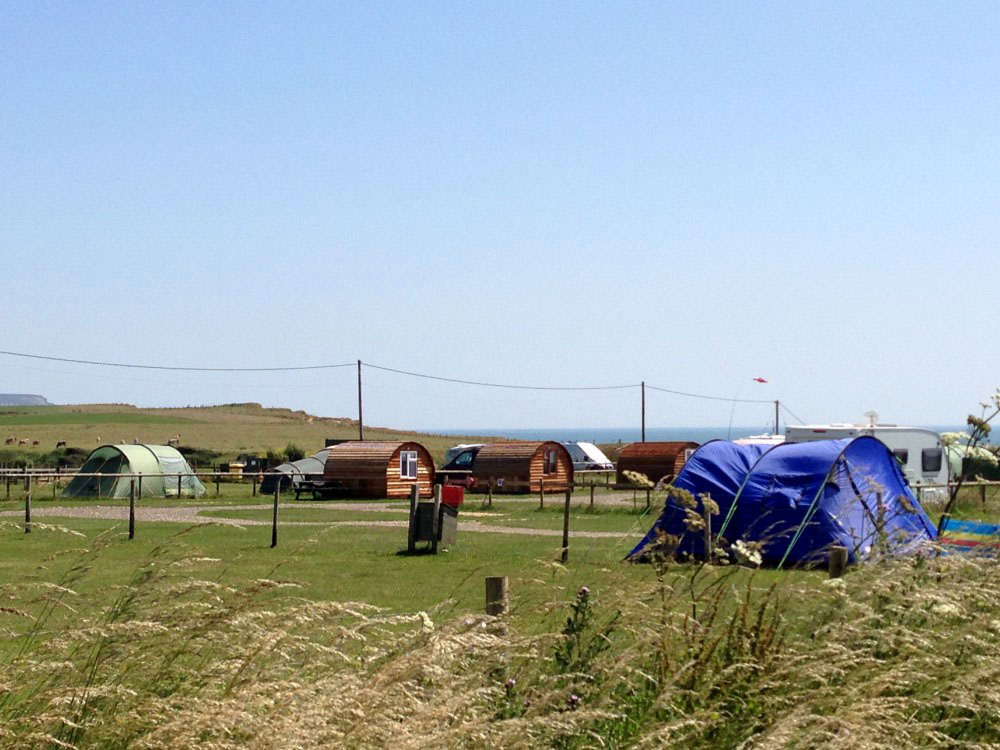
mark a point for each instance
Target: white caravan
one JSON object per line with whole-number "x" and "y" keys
{"x": 919, "y": 451}
{"x": 588, "y": 457}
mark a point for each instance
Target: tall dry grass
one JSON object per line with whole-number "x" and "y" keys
{"x": 896, "y": 655}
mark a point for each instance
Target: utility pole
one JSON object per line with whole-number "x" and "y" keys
{"x": 643, "y": 388}
{"x": 776, "y": 403}
{"x": 361, "y": 418}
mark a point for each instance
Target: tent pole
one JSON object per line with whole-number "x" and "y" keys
{"x": 643, "y": 389}
{"x": 776, "y": 403}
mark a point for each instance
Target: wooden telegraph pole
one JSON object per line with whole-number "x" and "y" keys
{"x": 643, "y": 388}
{"x": 361, "y": 417}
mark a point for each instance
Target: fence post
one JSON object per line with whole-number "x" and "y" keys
{"x": 982, "y": 494}
{"x": 131, "y": 508}
{"x": 591, "y": 498}
{"x": 55, "y": 481}
{"x": 411, "y": 534}
{"x": 496, "y": 595}
{"x": 838, "y": 560}
{"x": 217, "y": 479}
{"x": 436, "y": 519}
{"x": 178, "y": 486}
{"x": 541, "y": 493}
{"x": 647, "y": 498}
{"x": 254, "y": 485}
{"x": 27, "y": 505}
{"x": 274, "y": 516}
{"x": 565, "y": 544}
{"x": 8, "y": 486}
{"x": 489, "y": 493}
{"x": 138, "y": 490}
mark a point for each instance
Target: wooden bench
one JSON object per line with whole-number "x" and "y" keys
{"x": 969, "y": 536}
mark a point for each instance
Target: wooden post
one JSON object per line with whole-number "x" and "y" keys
{"x": 8, "y": 486}
{"x": 982, "y": 494}
{"x": 54, "y": 483}
{"x": 644, "y": 411}
{"x": 541, "y": 493}
{"x": 131, "y": 509}
{"x": 489, "y": 493}
{"x": 591, "y": 497}
{"x": 217, "y": 479}
{"x": 607, "y": 479}
{"x": 138, "y": 490}
{"x": 635, "y": 506}
{"x": 411, "y": 534}
{"x": 497, "y": 599}
{"x": 361, "y": 417}
{"x": 565, "y": 544}
{"x": 436, "y": 519}
{"x": 647, "y": 497}
{"x": 178, "y": 486}
{"x": 255, "y": 485}
{"x": 27, "y": 505}
{"x": 838, "y": 560}
{"x": 274, "y": 516}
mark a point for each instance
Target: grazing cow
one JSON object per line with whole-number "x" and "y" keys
{"x": 35, "y": 442}
{"x": 10, "y": 441}
{"x": 22, "y": 441}
{"x": 61, "y": 444}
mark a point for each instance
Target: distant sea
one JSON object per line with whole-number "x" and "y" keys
{"x": 628, "y": 434}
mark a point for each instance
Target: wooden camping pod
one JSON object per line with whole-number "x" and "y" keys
{"x": 378, "y": 469}
{"x": 658, "y": 460}
{"x": 523, "y": 466}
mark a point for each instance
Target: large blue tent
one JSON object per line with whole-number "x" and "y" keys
{"x": 797, "y": 499}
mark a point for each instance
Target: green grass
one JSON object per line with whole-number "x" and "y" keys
{"x": 26, "y": 417}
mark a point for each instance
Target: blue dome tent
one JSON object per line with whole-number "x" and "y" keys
{"x": 797, "y": 499}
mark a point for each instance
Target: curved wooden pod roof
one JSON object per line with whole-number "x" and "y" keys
{"x": 369, "y": 458}
{"x": 513, "y": 457}
{"x": 656, "y": 459}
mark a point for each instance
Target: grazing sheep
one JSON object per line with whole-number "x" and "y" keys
{"x": 61, "y": 444}
{"x": 135, "y": 441}
{"x": 35, "y": 442}
{"x": 10, "y": 441}
{"x": 98, "y": 441}
{"x": 174, "y": 442}
{"x": 22, "y": 441}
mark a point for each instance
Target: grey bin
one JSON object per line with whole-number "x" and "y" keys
{"x": 424, "y": 522}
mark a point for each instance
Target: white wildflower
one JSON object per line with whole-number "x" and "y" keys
{"x": 747, "y": 553}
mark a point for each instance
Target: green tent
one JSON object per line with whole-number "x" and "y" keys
{"x": 159, "y": 466}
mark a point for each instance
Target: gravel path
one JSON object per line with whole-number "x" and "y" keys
{"x": 193, "y": 515}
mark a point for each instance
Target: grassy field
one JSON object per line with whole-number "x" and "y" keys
{"x": 202, "y": 635}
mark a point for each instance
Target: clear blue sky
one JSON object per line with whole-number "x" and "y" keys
{"x": 541, "y": 193}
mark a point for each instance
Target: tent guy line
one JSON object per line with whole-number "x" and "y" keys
{"x": 409, "y": 373}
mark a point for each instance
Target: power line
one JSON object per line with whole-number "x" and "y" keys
{"x": 165, "y": 367}
{"x": 791, "y": 413}
{"x": 712, "y": 398}
{"x": 503, "y": 385}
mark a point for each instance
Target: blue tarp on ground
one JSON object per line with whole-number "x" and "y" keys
{"x": 799, "y": 498}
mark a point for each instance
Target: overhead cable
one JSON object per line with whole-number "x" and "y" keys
{"x": 791, "y": 413}
{"x": 504, "y": 385}
{"x": 712, "y": 398}
{"x": 181, "y": 369}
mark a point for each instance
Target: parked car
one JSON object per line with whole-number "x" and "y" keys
{"x": 457, "y": 468}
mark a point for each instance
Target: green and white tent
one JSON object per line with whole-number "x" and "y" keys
{"x": 159, "y": 466}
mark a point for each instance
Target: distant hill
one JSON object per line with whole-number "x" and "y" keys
{"x": 22, "y": 399}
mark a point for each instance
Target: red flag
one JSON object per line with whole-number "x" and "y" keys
{"x": 760, "y": 380}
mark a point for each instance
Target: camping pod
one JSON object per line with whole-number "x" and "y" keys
{"x": 795, "y": 500}
{"x": 378, "y": 469}
{"x": 523, "y": 466}
{"x": 159, "y": 471}
{"x": 659, "y": 461}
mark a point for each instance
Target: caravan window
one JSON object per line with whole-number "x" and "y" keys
{"x": 408, "y": 464}
{"x": 930, "y": 460}
{"x": 902, "y": 455}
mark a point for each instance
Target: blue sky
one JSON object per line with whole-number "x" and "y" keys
{"x": 538, "y": 193}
